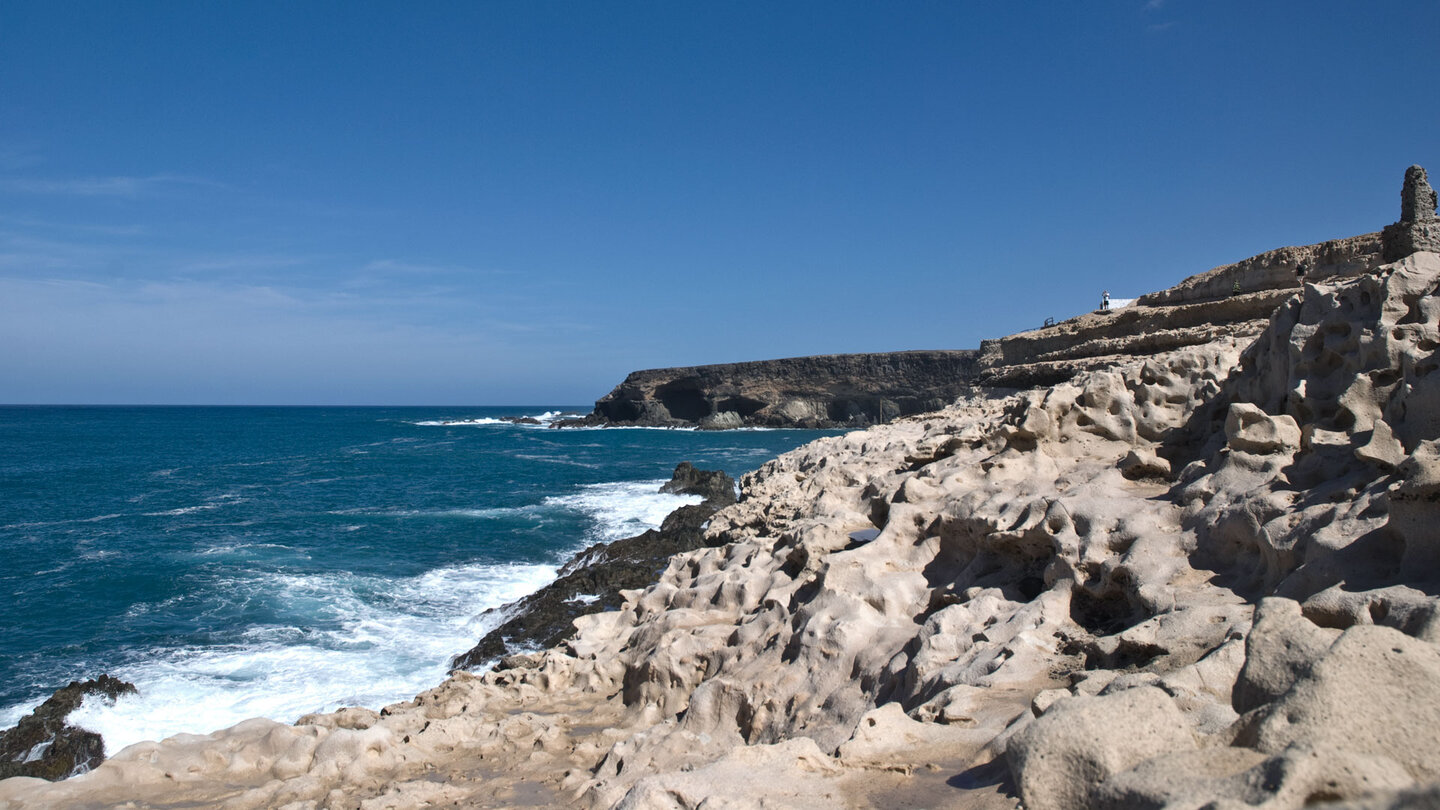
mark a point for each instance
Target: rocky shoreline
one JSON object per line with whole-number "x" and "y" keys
{"x": 44, "y": 746}
{"x": 595, "y": 579}
{"x": 1199, "y": 571}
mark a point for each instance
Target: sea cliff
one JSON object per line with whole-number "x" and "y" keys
{"x": 837, "y": 390}
{"x": 1197, "y": 572}
{"x": 859, "y": 390}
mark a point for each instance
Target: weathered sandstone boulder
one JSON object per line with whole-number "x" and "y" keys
{"x": 1064, "y": 756}
{"x": 1251, "y": 430}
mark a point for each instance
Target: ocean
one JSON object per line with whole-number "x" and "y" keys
{"x": 270, "y": 562}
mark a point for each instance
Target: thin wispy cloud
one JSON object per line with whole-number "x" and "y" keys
{"x": 393, "y": 266}
{"x": 242, "y": 261}
{"x": 14, "y": 158}
{"x": 424, "y": 268}
{"x": 56, "y": 282}
{"x": 202, "y": 340}
{"x": 113, "y": 186}
{"x": 417, "y": 283}
{"x": 25, "y": 252}
{"x": 32, "y": 224}
{"x": 1153, "y": 7}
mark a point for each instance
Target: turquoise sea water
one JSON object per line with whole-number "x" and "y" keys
{"x": 241, "y": 562}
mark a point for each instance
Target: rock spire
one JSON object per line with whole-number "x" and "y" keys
{"x": 1417, "y": 198}
{"x": 1418, "y": 229}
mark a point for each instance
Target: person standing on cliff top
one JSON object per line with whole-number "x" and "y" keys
{"x": 1104, "y": 300}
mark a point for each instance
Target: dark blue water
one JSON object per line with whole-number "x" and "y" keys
{"x": 239, "y": 562}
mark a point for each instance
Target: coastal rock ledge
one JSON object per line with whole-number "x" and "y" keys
{"x": 1206, "y": 576}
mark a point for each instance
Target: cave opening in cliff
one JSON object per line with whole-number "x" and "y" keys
{"x": 684, "y": 400}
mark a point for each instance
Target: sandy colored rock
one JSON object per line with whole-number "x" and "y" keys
{"x": 1251, "y": 430}
{"x": 1280, "y": 649}
{"x": 1371, "y": 692}
{"x": 1063, "y": 756}
{"x": 1240, "y": 777}
{"x": 788, "y": 774}
{"x": 1144, "y": 464}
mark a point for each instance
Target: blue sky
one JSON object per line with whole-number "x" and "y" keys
{"x": 520, "y": 202}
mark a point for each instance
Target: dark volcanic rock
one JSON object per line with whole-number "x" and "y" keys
{"x": 825, "y": 391}
{"x": 591, "y": 582}
{"x": 714, "y": 486}
{"x": 43, "y": 745}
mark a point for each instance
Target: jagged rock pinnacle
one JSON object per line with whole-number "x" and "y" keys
{"x": 1417, "y": 198}
{"x": 1418, "y": 229}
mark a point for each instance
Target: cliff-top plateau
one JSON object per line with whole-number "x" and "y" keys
{"x": 1182, "y": 554}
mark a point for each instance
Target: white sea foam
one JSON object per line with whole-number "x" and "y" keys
{"x": 489, "y": 512}
{"x": 383, "y": 640}
{"x": 632, "y": 427}
{"x": 550, "y": 417}
{"x": 245, "y": 549}
{"x": 459, "y": 422}
{"x": 184, "y": 510}
{"x": 46, "y": 523}
{"x": 557, "y": 460}
{"x": 396, "y": 639}
{"x": 11, "y": 715}
{"x": 545, "y": 419}
{"x": 224, "y": 499}
{"x": 615, "y": 510}
{"x": 623, "y": 508}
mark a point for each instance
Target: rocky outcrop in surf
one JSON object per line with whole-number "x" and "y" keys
{"x": 595, "y": 579}
{"x": 1203, "y": 576}
{"x": 43, "y": 745}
